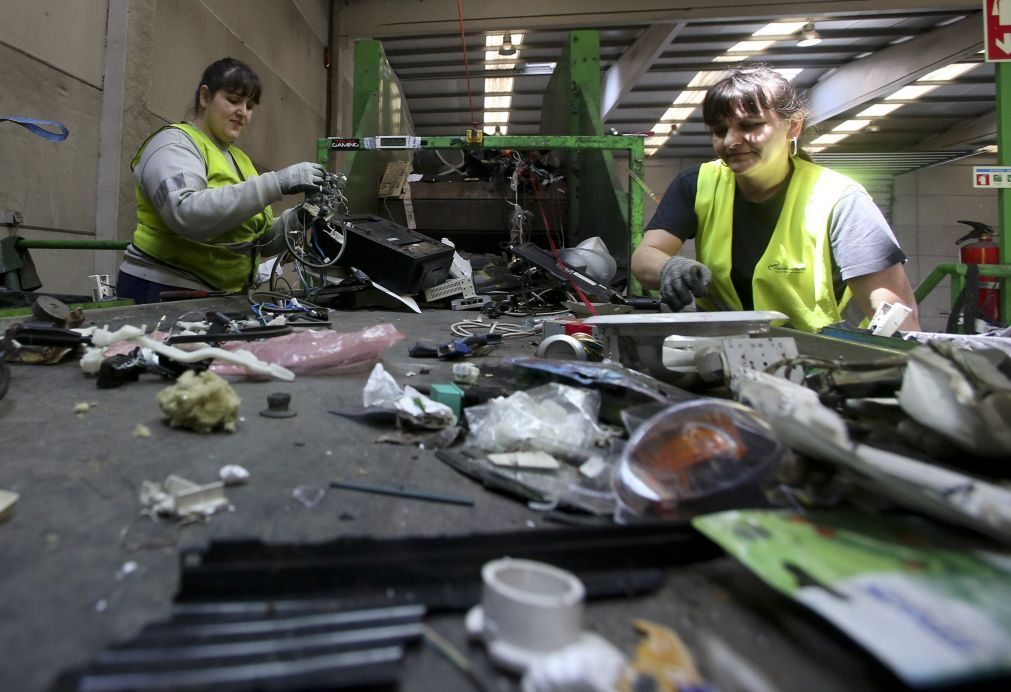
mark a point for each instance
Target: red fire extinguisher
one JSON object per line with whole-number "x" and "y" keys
{"x": 983, "y": 249}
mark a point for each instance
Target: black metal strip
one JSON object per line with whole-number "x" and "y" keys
{"x": 285, "y": 645}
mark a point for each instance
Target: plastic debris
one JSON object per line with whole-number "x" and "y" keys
{"x": 182, "y": 498}
{"x": 233, "y": 474}
{"x": 541, "y": 461}
{"x": 141, "y": 431}
{"x": 320, "y": 351}
{"x": 308, "y": 495}
{"x": 549, "y": 412}
{"x": 7, "y": 502}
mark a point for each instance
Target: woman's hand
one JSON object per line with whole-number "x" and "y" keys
{"x": 301, "y": 177}
{"x": 682, "y": 280}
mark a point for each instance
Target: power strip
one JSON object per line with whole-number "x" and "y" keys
{"x": 474, "y": 303}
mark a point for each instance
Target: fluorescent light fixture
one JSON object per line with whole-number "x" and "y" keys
{"x": 851, "y": 125}
{"x": 694, "y": 96}
{"x": 497, "y": 103}
{"x": 651, "y": 150}
{"x": 493, "y": 61}
{"x": 498, "y": 85}
{"x": 498, "y": 90}
{"x": 676, "y": 114}
{"x": 878, "y": 110}
{"x": 830, "y": 139}
{"x": 809, "y": 36}
{"x": 750, "y": 46}
{"x": 496, "y": 130}
{"x": 730, "y": 58}
{"x": 948, "y": 72}
{"x": 656, "y": 141}
{"x": 496, "y": 40}
{"x": 779, "y": 29}
{"x": 500, "y": 117}
{"x": 789, "y": 73}
{"x": 813, "y": 150}
{"x": 539, "y": 68}
{"x": 663, "y": 128}
{"x": 707, "y": 78}
{"x": 910, "y": 93}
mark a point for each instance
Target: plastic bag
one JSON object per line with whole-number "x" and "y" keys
{"x": 550, "y": 412}
{"x": 319, "y": 352}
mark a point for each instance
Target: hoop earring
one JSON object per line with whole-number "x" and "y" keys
{"x": 793, "y": 147}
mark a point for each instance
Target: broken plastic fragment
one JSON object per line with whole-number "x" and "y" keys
{"x": 233, "y": 474}
{"x": 308, "y": 495}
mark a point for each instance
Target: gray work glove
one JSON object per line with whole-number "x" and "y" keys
{"x": 301, "y": 177}
{"x": 681, "y": 280}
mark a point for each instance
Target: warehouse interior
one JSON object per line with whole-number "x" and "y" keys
{"x": 114, "y": 71}
{"x": 866, "y": 549}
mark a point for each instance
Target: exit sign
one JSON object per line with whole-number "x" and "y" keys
{"x": 997, "y": 30}
{"x": 991, "y": 176}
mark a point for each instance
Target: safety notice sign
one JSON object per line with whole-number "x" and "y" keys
{"x": 997, "y": 30}
{"x": 991, "y": 176}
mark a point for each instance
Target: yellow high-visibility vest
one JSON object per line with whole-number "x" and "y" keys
{"x": 794, "y": 275}
{"x": 225, "y": 268}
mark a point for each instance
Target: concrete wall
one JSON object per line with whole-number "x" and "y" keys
{"x": 926, "y": 208}
{"x": 62, "y": 61}
{"x": 51, "y": 55}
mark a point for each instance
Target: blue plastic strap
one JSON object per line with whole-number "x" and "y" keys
{"x": 35, "y": 126}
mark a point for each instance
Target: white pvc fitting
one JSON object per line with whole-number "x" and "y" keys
{"x": 528, "y": 610}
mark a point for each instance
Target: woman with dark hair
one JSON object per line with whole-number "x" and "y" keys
{"x": 772, "y": 230}
{"x": 203, "y": 213}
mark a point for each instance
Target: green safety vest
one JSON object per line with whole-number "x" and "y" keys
{"x": 794, "y": 275}
{"x": 228, "y": 261}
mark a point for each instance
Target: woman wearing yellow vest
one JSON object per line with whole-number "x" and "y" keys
{"x": 772, "y": 230}
{"x": 203, "y": 213}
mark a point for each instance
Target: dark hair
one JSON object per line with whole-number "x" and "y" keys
{"x": 752, "y": 89}
{"x": 231, "y": 75}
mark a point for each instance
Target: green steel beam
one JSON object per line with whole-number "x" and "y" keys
{"x": 571, "y": 106}
{"x": 1002, "y": 80}
{"x": 71, "y": 244}
{"x": 378, "y": 108}
{"x": 957, "y": 273}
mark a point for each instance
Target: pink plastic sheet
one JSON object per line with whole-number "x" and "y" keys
{"x": 318, "y": 352}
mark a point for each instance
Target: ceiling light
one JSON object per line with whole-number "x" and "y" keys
{"x": 507, "y": 47}
{"x": 809, "y": 36}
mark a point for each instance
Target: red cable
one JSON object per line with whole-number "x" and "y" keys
{"x": 554, "y": 250}
{"x": 466, "y": 64}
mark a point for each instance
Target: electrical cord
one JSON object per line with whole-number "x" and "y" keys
{"x": 506, "y": 330}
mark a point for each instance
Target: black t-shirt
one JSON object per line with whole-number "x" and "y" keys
{"x": 861, "y": 241}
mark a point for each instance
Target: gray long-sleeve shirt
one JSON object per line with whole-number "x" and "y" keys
{"x": 172, "y": 174}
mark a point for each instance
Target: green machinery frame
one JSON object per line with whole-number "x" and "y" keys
{"x": 577, "y": 144}
{"x": 570, "y": 124}
{"x": 957, "y": 272}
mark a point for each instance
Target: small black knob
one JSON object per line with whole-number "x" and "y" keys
{"x": 277, "y": 406}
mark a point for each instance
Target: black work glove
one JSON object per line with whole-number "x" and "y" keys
{"x": 682, "y": 280}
